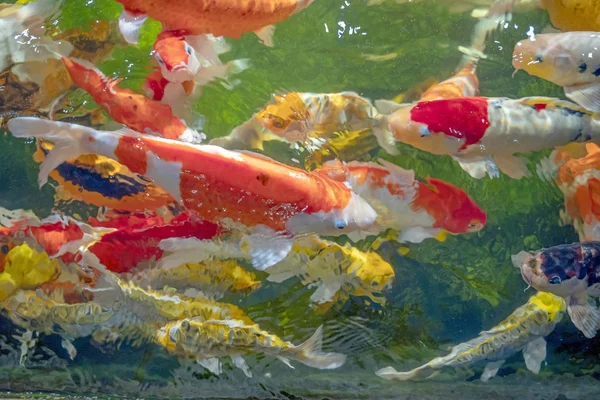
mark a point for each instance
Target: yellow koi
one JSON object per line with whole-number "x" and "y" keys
{"x": 524, "y": 330}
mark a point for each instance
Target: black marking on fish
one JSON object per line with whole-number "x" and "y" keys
{"x": 582, "y": 67}
{"x": 570, "y": 111}
{"x": 576, "y": 138}
{"x": 564, "y": 262}
{"x": 596, "y": 72}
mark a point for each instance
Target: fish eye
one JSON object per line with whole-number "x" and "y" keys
{"x": 159, "y": 58}
{"x": 4, "y": 249}
{"x": 538, "y": 57}
{"x": 188, "y": 49}
{"x": 555, "y": 280}
{"x": 375, "y": 284}
{"x": 340, "y": 224}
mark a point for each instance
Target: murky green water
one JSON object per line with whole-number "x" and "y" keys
{"x": 443, "y": 293}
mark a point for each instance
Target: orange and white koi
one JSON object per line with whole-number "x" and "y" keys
{"x": 565, "y": 59}
{"x": 187, "y": 63}
{"x": 483, "y": 134}
{"x": 578, "y": 177}
{"x": 129, "y": 108}
{"x": 419, "y": 210}
{"x": 273, "y": 201}
{"x": 230, "y": 18}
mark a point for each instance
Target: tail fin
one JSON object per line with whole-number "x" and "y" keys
{"x": 67, "y": 139}
{"x": 310, "y": 353}
{"x": 391, "y": 374}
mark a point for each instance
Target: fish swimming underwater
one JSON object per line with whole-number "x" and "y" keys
{"x": 136, "y": 111}
{"x": 464, "y": 83}
{"x": 483, "y": 134}
{"x": 205, "y": 341}
{"x": 571, "y": 272}
{"x": 524, "y": 330}
{"x": 230, "y": 18}
{"x": 576, "y": 171}
{"x": 103, "y": 182}
{"x": 310, "y": 119}
{"x": 211, "y": 278}
{"x": 565, "y": 59}
{"x": 272, "y": 201}
{"x": 337, "y": 272}
{"x": 418, "y": 210}
{"x": 185, "y": 64}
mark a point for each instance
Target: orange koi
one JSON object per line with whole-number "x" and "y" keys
{"x": 127, "y": 107}
{"x": 230, "y": 18}
{"x": 274, "y": 201}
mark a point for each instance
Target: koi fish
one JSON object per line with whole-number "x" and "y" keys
{"x": 419, "y": 210}
{"x": 185, "y": 64}
{"x": 126, "y": 249}
{"x": 565, "y": 59}
{"x": 24, "y": 268}
{"x": 464, "y": 83}
{"x": 575, "y": 170}
{"x": 524, "y": 330}
{"x": 212, "y": 278}
{"x": 196, "y": 17}
{"x": 272, "y": 201}
{"x": 483, "y": 134}
{"x": 311, "y": 117}
{"x": 204, "y": 341}
{"x": 336, "y": 271}
{"x": 129, "y": 108}
{"x": 571, "y": 272}
{"x": 103, "y": 182}
{"x": 583, "y": 15}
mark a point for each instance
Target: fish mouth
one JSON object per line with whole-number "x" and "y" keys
{"x": 180, "y": 68}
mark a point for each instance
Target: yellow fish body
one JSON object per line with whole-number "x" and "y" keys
{"x": 213, "y": 278}
{"x": 524, "y": 330}
{"x": 337, "y": 271}
{"x": 205, "y": 341}
{"x": 25, "y": 268}
{"x": 573, "y": 15}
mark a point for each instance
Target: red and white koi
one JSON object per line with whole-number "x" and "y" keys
{"x": 136, "y": 111}
{"x": 272, "y": 201}
{"x": 419, "y": 210}
{"x": 483, "y": 134}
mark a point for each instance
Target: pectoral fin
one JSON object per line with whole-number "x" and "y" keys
{"x": 479, "y": 167}
{"x": 491, "y": 369}
{"x": 584, "y": 316}
{"x": 515, "y": 167}
{"x": 417, "y": 234}
{"x": 534, "y": 353}
{"x": 266, "y": 35}
{"x": 211, "y": 364}
{"x": 130, "y": 26}
{"x": 268, "y": 249}
{"x": 587, "y": 96}
{"x": 239, "y": 362}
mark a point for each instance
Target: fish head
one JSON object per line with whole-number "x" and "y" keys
{"x": 176, "y": 58}
{"x": 544, "y": 57}
{"x": 375, "y": 273}
{"x": 556, "y": 270}
{"x": 288, "y": 116}
{"x": 462, "y": 214}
